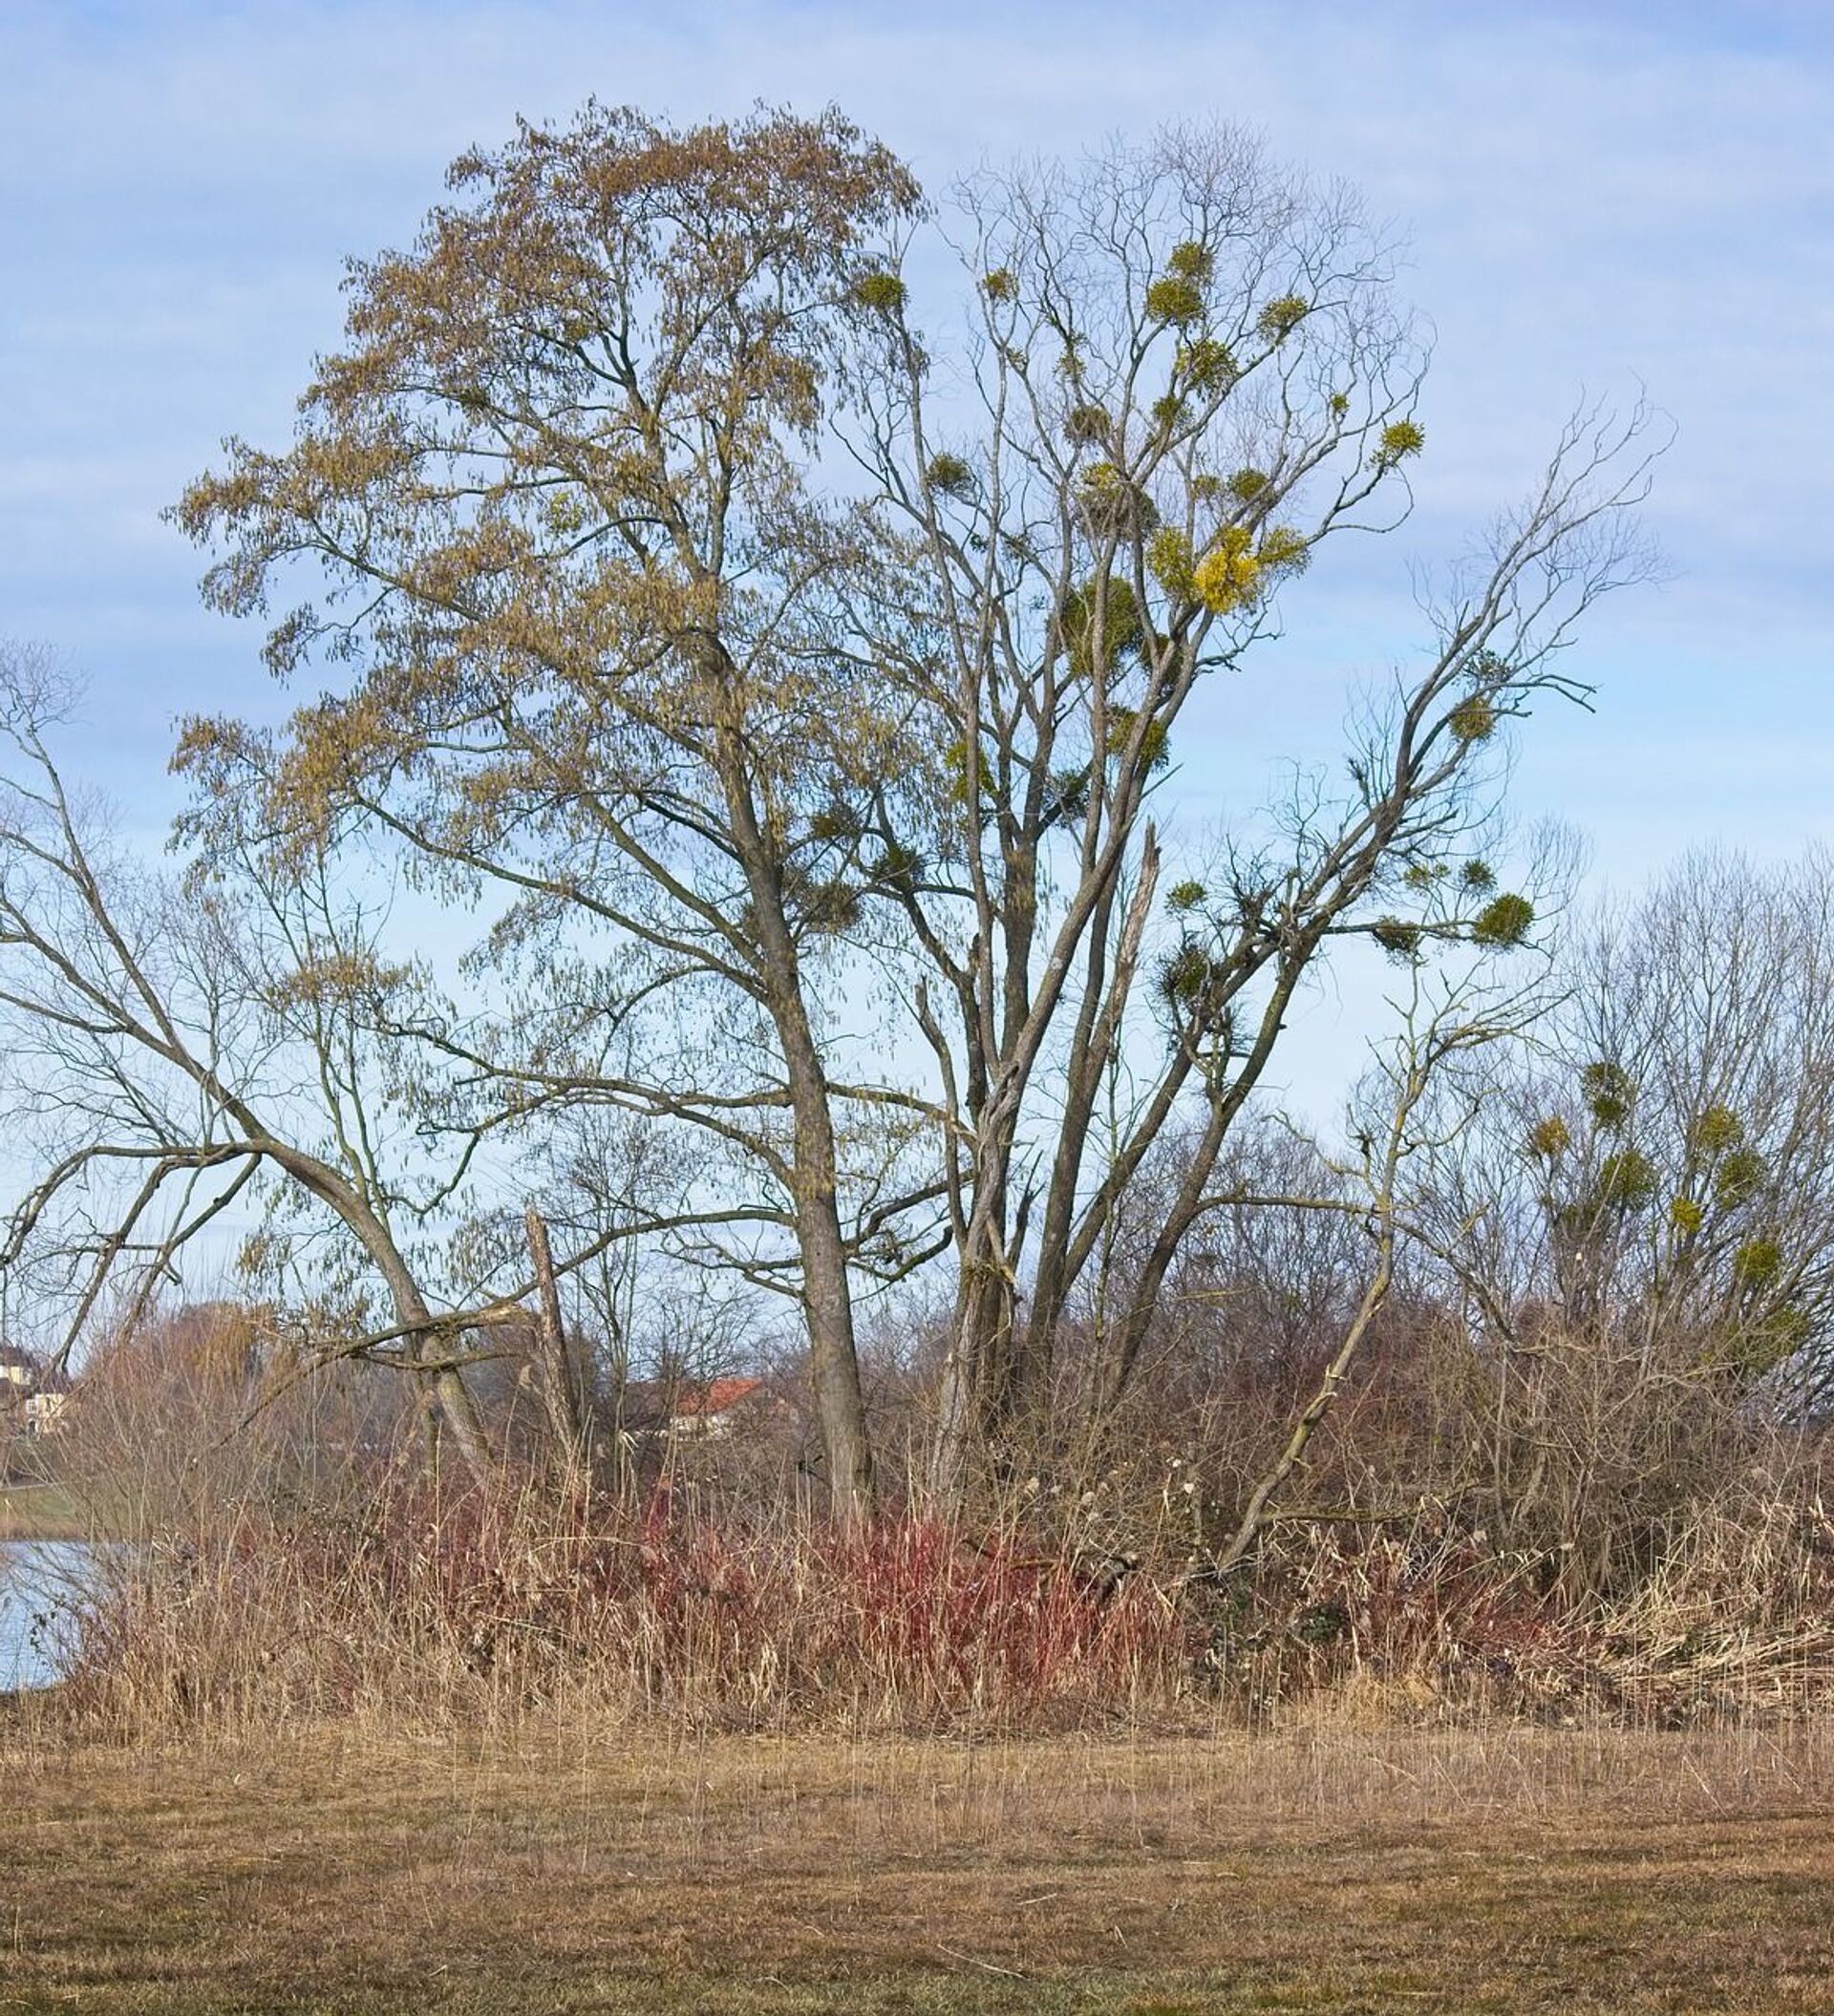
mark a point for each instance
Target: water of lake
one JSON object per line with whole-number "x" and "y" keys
{"x": 38, "y": 1581}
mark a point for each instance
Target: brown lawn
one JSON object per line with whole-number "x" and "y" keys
{"x": 1325, "y": 1871}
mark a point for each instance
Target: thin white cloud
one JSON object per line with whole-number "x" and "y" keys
{"x": 1592, "y": 201}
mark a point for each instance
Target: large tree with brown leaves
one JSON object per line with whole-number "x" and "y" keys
{"x": 554, "y": 488}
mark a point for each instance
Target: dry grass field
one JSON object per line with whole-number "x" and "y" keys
{"x": 1321, "y": 1870}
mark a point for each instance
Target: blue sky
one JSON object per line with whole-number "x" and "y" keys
{"x": 1595, "y": 197}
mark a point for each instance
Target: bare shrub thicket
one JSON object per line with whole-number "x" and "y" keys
{"x": 305, "y": 1567}
{"x": 1522, "y": 1499}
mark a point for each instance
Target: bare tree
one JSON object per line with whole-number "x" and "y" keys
{"x": 1185, "y": 374}
{"x": 172, "y": 1048}
{"x": 1429, "y": 1087}
{"x": 1665, "y": 1172}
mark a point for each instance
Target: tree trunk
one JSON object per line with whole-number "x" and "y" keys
{"x": 451, "y": 1406}
{"x": 827, "y": 1296}
{"x": 449, "y": 1401}
{"x": 563, "y": 1391}
{"x": 978, "y": 1386}
{"x": 834, "y": 1361}
{"x": 977, "y": 1390}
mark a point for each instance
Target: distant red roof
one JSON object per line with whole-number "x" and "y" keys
{"x": 717, "y": 1397}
